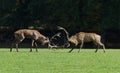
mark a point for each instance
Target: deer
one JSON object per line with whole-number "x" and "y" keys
{"x": 83, "y": 37}
{"x": 34, "y": 35}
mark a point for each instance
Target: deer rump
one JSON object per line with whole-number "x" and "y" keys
{"x": 83, "y": 37}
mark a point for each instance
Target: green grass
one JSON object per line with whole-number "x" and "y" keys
{"x": 59, "y": 61}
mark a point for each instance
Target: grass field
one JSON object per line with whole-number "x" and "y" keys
{"x": 59, "y": 61}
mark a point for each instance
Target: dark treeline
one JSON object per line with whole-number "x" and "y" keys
{"x": 100, "y": 16}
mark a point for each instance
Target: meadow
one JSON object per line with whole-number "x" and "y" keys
{"x": 59, "y": 61}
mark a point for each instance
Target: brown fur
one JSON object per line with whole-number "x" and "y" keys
{"x": 34, "y": 35}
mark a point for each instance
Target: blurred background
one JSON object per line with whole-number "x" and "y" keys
{"x": 99, "y": 16}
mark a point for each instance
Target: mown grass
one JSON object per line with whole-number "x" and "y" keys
{"x": 59, "y": 61}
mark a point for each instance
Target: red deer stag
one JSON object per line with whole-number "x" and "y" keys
{"x": 81, "y": 37}
{"x": 34, "y": 35}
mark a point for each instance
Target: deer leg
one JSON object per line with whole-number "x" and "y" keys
{"x": 17, "y": 44}
{"x": 71, "y": 50}
{"x": 19, "y": 40}
{"x": 32, "y": 45}
{"x": 97, "y": 49}
{"x": 36, "y": 47}
{"x": 80, "y": 46}
{"x": 101, "y": 44}
{"x": 16, "y": 47}
{"x": 13, "y": 43}
{"x": 11, "y": 47}
{"x": 103, "y": 47}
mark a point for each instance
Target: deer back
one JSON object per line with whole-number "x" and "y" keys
{"x": 87, "y": 37}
